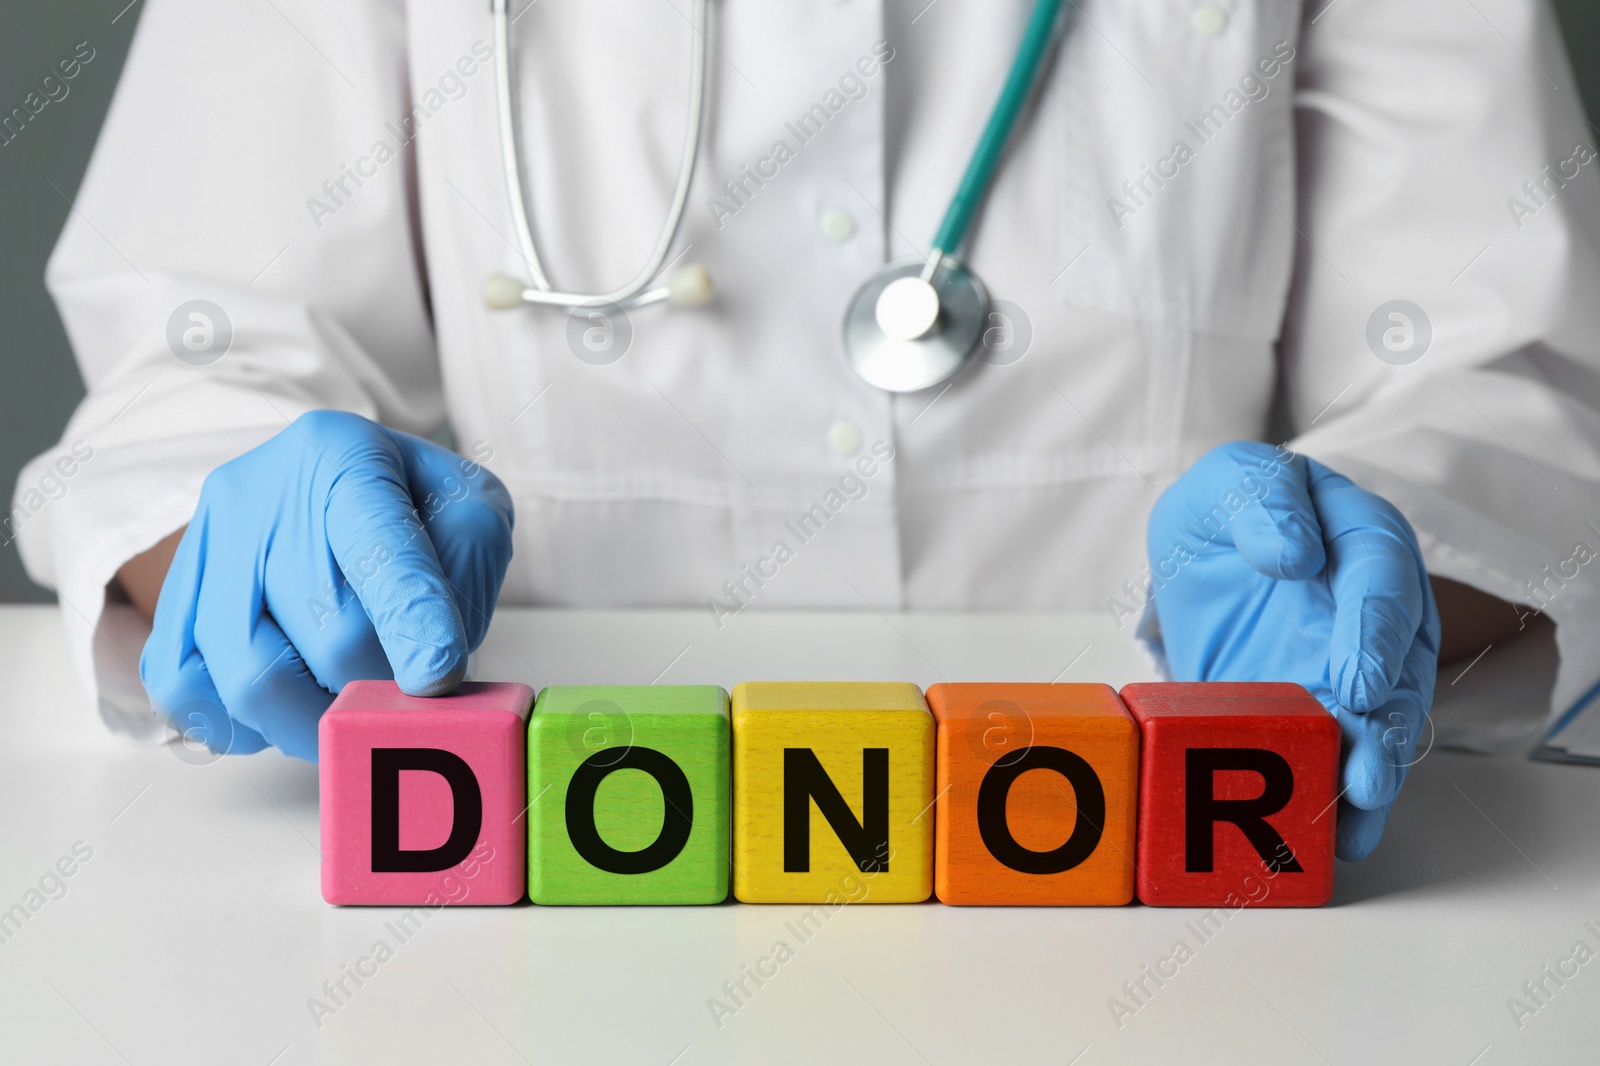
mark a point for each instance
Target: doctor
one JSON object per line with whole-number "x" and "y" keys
{"x": 1367, "y": 230}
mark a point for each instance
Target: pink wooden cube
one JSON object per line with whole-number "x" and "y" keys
{"x": 423, "y": 799}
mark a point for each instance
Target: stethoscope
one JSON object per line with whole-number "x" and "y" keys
{"x": 914, "y": 324}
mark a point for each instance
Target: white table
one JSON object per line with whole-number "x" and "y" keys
{"x": 195, "y": 933}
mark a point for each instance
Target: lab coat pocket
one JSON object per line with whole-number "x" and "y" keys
{"x": 1175, "y": 122}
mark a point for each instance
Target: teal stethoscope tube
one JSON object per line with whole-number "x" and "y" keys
{"x": 916, "y": 322}
{"x": 986, "y": 156}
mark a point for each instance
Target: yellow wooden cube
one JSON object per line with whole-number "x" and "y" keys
{"x": 832, "y": 793}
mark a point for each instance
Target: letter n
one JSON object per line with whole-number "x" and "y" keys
{"x": 805, "y": 781}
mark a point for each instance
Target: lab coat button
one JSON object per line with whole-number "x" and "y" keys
{"x": 1209, "y": 20}
{"x": 844, "y": 438}
{"x": 838, "y": 226}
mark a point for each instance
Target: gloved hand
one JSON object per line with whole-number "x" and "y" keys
{"x": 1268, "y": 566}
{"x": 335, "y": 551}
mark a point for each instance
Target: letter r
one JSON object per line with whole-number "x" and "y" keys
{"x": 1202, "y": 810}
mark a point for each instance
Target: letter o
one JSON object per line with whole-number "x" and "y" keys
{"x": 676, "y": 822}
{"x": 996, "y": 832}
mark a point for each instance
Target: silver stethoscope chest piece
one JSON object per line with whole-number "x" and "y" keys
{"x": 903, "y": 333}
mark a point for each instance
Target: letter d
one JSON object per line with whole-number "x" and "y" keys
{"x": 467, "y": 817}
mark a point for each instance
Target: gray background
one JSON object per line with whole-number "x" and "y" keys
{"x": 41, "y": 384}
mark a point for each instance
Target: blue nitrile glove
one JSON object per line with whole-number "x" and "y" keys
{"x": 335, "y": 551}
{"x": 1268, "y": 566}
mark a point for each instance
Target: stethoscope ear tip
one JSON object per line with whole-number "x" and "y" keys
{"x": 690, "y": 286}
{"x": 502, "y": 292}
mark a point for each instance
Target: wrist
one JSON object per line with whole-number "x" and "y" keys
{"x": 141, "y": 577}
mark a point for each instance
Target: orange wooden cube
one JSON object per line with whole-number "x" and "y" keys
{"x": 1036, "y": 795}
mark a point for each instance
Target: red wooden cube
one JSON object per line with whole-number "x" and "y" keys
{"x": 422, "y": 799}
{"x": 1237, "y": 784}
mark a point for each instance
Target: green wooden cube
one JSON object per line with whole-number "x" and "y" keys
{"x": 629, "y": 794}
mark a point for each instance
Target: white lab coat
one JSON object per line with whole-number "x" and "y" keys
{"x": 1382, "y": 159}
